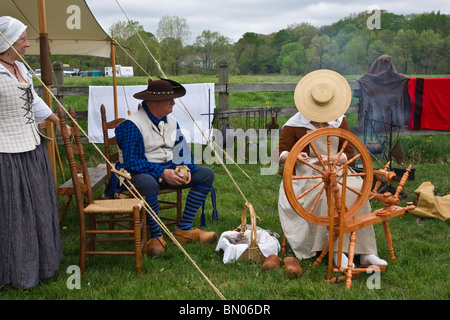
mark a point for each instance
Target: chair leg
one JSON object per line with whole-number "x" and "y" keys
{"x": 64, "y": 208}
{"x": 137, "y": 238}
{"x": 83, "y": 244}
{"x": 92, "y": 236}
{"x": 143, "y": 225}
{"x": 179, "y": 199}
{"x": 387, "y": 235}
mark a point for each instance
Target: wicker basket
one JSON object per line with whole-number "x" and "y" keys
{"x": 253, "y": 252}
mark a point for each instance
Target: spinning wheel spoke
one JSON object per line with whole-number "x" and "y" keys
{"x": 361, "y": 174}
{"x": 349, "y": 162}
{"x": 310, "y": 165}
{"x": 313, "y": 207}
{"x": 345, "y": 175}
{"x": 317, "y": 155}
{"x": 309, "y": 190}
{"x": 340, "y": 154}
{"x": 351, "y": 189}
{"x": 306, "y": 177}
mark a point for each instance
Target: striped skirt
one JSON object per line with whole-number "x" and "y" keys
{"x": 30, "y": 243}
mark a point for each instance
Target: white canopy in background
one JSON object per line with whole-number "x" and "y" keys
{"x": 199, "y": 100}
{"x": 72, "y": 29}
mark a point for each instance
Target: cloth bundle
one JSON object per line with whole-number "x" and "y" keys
{"x": 430, "y": 205}
{"x": 234, "y": 243}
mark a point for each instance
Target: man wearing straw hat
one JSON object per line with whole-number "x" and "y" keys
{"x": 322, "y": 97}
{"x": 151, "y": 146}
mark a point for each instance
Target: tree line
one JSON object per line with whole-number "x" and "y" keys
{"x": 417, "y": 43}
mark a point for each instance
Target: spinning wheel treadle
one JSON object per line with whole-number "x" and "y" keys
{"x": 331, "y": 175}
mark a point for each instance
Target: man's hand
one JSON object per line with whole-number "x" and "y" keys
{"x": 172, "y": 178}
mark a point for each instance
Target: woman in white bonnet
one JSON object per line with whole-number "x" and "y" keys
{"x": 30, "y": 244}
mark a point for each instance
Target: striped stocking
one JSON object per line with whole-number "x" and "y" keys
{"x": 196, "y": 197}
{"x": 152, "y": 225}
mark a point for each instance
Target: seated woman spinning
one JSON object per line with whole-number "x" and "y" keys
{"x": 322, "y": 97}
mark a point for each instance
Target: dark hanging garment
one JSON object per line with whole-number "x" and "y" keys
{"x": 383, "y": 96}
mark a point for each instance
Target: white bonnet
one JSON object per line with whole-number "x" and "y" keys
{"x": 11, "y": 29}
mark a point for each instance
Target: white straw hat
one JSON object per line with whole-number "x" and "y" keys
{"x": 322, "y": 95}
{"x": 11, "y": 29}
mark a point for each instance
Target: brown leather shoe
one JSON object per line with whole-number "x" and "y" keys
{"x": 272, "y": 262}
{"x": 156, "y": 246}
{"x": 196, "y": 235}
{"x": 292, "y": 267}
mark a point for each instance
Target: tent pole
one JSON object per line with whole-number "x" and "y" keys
{"x": 46, "y": 68}
{"x": 113, "y": 58}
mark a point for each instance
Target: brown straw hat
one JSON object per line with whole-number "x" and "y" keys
{"x": 322, "y": 95}
{"x": 163, "y": 89}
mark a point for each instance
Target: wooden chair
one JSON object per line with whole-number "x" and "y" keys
{"x": 112, "y": 154}
{"x": 98, "y": 177}
{"x": 110, "y": 144}
{"x": 96, "y": 210}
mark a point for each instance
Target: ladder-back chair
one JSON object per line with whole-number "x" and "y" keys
{"x": 100, "y": 211}
{"x": 112, "y": 154}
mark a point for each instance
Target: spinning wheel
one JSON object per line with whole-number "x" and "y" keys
{"x": 329, "y": 173}
{"x": 330, "y": 178}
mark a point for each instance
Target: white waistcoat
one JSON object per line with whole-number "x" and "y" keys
{"x": 158, "y": 144}
{"x": 18, "y": 129}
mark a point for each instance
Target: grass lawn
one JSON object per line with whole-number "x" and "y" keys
{"x": 421, "y": 270}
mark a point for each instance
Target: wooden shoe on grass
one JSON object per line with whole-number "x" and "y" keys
{"x": 292, "y": 267}
{"x": 196, "y": 235}
{"x": 272, "y": 262}
{"x": 156, "y": 246}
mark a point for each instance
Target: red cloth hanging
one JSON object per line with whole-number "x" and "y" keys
{"x": 430, "y": 103}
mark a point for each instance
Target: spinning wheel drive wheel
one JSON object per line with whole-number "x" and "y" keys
{"x": 323, "y": 173}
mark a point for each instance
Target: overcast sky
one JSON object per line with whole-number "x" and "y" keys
{"x": 233, "y": 18}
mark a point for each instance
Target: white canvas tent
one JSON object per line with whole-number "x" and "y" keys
{"x": 71, "y": 27}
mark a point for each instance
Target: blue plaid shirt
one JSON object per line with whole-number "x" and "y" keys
{"x": 131, "y": 143}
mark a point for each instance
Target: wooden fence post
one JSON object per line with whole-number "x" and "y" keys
{"x": 223, "y": 81}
